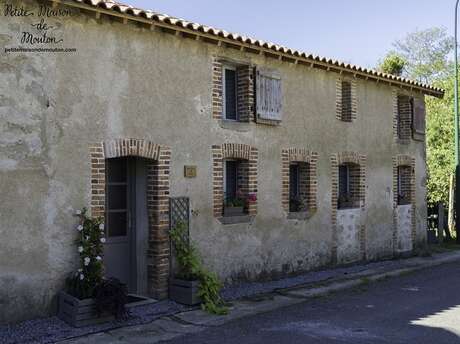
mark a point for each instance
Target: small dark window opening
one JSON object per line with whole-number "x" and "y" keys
{"x": 235, "y": 187}
{"x": 299, "y": 187}
{"x": 294, "y": 194}
{"x": 347, "y": 109}
{"x": 349, "y": 186}
{"x": 404, "y": 185}
{"x": 230, "y": 94}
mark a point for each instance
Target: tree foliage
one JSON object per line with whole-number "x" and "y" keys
{"x": 428, "y": 54}
{"x": 393, "y": 64}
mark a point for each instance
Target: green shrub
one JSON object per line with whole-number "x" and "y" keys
{"x": 190, "y": 268}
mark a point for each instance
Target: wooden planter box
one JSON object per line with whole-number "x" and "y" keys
{"x": 79, "y": 313}
{"x": 233, "y": 211}
{"x": 184, "y": 292}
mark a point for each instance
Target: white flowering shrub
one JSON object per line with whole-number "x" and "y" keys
{"x": 88, "y": 277}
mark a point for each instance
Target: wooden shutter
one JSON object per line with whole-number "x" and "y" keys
{"x": 418, "y": 119}
{"x": 268, "y": 95}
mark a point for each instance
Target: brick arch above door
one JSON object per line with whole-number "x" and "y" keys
{"x": 158, "y": 171}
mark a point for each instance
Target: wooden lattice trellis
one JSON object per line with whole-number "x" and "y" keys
{"x": 179, "y": 210}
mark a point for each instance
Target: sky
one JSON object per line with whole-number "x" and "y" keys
{"x": 354, "y": 31}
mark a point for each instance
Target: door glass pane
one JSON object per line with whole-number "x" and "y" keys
{"x": 117, "y": 171}
{"x": 117, "y": 197}
{"x": 118, "y": 223}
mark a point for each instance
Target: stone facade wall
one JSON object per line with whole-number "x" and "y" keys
{"x": 61, "y": 112}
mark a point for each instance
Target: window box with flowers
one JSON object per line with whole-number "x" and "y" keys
{"x": 89, "y": 298}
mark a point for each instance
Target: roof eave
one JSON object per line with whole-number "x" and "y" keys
{"x": 155, "y": 21}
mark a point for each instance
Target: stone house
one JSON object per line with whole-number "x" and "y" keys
{"x": 291, "y": 161}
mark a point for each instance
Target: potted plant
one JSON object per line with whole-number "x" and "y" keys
{"x": 295, "y": 204}
{"x": 85, "y": 300}
{"x": 345, "y": 201}
{"x": 234, "y": 207}
{"x": 403, "y": 199}
{"x": 192, "y": 284}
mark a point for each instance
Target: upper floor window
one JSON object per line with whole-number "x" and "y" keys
{"x": 230, "y": 91}
{"x": 410, "y": 118}
{"x": 405, "y": 112}
{"x": 346, "y": 100}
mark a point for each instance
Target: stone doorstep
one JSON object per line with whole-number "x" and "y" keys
{"x": 169, "y": 327}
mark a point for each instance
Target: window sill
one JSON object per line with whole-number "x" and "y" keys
{"x": 268, "y": 121}
{"x": 300, "y": 215}
{"x": 235, "y": 125}
{"x": 349, "y": 208}
{"x": 231, "y": 220}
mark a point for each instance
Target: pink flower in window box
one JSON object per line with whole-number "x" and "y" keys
{"x": 252, "y": 197}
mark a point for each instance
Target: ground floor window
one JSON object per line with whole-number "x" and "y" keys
{"x": 349, "y": 186}
{"x": 404, "y": 184}
{"x": 299, "y": 186}
{"x": 235, "y": 187}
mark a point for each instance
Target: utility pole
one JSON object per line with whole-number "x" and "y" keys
{"x": 457, "y": 165}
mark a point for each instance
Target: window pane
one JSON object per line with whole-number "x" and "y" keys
{"x": 118, "y": 223}
{"x": 343, "y": 180}
{"x": 230, "y": 179}
{"x": 294, "y": 181}
{"x": 117, "y": 170}
{"x": 230, "y": 94}
{"x": 117, "y": 197}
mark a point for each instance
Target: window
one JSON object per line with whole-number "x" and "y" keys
{"x": 294, "y": 199}
{"x": 404, "y": 185}
{"x": 404, "y": 117}
{"x": 230, "y": 92}
{"x": 299, "y": 187}
{"x": 346, "y": 110}
{"x": 235, "y": 187}
{"x": 349, "y": 186}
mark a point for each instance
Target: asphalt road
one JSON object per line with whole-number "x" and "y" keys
{"x": 420, "y": 308}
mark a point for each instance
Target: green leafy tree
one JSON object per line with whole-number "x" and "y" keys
{"x": 393, "y": 64}
{"x": 427, "y": 53}
{"x": 440, "y": 143}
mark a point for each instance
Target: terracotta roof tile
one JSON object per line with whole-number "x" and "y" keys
{"x": 164, "y": 18}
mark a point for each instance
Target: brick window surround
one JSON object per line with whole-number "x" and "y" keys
{"x": 248, "y": 157}
{"x": 407, "y": 163}
{"x": 308, "y": 185}
{"x": 402, "y": 118}
{"x": 346, "y": 100}
{"x": 354, "y": 159}
{"x": 244, "y": 91}
{"x": 158, "y": 168}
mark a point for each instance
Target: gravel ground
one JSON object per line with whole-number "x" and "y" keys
{"x": 50, "y": 330}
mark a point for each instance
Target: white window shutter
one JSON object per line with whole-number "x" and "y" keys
{"x": 268, "y": 95}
